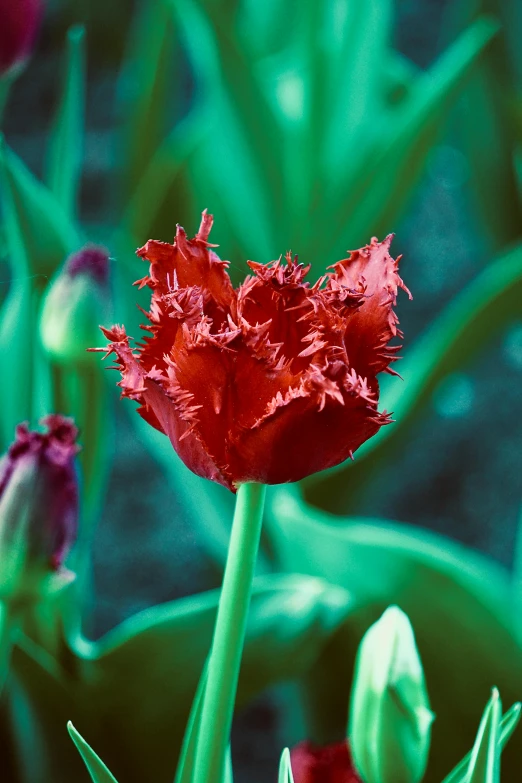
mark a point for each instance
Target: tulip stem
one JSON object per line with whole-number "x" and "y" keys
{"x": 8, "y": 626}
{"x": 229, "y": 636}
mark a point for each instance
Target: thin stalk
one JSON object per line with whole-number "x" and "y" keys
{"x": 8, "y": 628}
{"x": 229, "y": 635}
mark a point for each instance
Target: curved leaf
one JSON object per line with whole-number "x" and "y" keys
{"x": 97, "y": 769}
{"x": 458, "y": 601}
{"x": 65, "y": 145}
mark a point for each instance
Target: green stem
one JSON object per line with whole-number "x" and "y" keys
{"x": 229, "y": 635}
{"x": 8, "y": 627}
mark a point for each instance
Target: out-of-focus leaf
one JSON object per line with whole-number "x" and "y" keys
{"x": 97, "y": 769}
{"x": 185, "y": 768}
{"x": 469, "y": 321}
{"x": 155, "y": 659}
{"x": 35, "y": 711}
{"x": 355, "y": 72}
{"x": 16, "y": 322}
{"x": 47, "y": 233}
{"x": 484, "y": 765}
{"x": 457, "y": 600}
{"x": 507, "y": 726}
{"x": 285, "y": 768}
{"x": 145, "y": 88}
{"x": 242, "y": 154}
{"x": 65, "y": 146}
{"x": 208, "y": 505}
{"x": 380, "y": 179}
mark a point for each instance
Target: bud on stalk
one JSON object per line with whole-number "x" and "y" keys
{"x": 390, "y": 720}
{"x": 38, "y": 510}
{"x": 76, "y": 302}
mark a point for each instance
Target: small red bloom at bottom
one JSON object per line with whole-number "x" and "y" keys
{"x": 329, "y": 764}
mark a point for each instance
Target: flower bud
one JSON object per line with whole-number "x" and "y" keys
{"x": 19, "y": 25}
{"x": 76, "y": 302}
{"x": 38, "y": 509}
{"x": 390, "y": 720}
{"x": 328, "y": 764}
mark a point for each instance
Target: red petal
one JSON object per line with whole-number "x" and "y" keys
{"x": 306, "y": 430}
{"x": 330, "y": 764}
{"x": 370, "y": 328}
{"x": 187, "y": 263}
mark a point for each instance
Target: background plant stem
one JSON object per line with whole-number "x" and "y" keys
{"x": 229, "y": 635}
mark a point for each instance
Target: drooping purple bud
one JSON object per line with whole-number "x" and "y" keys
{"x": 38, "y": 505}
{"x": 19, "y": 24}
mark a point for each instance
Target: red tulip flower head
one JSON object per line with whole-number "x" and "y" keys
{"x": 268, "y": 382}
{"x": 329, "y": 764}
{"x": 19, "y": 25}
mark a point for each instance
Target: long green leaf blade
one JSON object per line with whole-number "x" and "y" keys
{"x": 285, "y": 768}
{"x": 65, "y": 151}
{"x": 97, "y": 769}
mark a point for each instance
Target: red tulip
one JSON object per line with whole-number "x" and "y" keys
{"x": 19, "y": 25}
{"x": 271, "y": 381}
{"x": 330, "y": 764}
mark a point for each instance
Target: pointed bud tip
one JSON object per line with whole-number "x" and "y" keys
{"x": 92, "y": 260}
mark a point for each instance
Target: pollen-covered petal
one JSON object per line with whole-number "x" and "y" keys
{"x": 370, "y": 271}
{"x": 314, "y": 426}
{"x": 188, "y": 263}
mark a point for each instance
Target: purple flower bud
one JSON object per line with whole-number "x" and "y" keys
{"x": 19, "y": 25}
{"x": 75, "y": 303}
{"x": 38, "y": 504}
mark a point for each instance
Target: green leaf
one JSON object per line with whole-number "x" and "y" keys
{"x": 374, "y": 189}
{"x": 145, "y": 88}
{"x": 285, "y": 768}
{"x": 46, "y": 232}
{"x": 97, "y": 769}
{"x": 185, "y": 768}
{"x": 507, "y": 726}
{"x": 65, "y": 146}
{"x": 16, "y": 322}
{"x": 155, "y": 659}
{"x": 464, "y": 328}
{"x": 208, "y": 506}
{"x": 484, "y": 765}
{"x": 436, "y": 582}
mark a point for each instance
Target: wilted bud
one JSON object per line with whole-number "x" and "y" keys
{"x": 76, "y": 302}
{"x": 38, "y": 509}
{"x": 19, "y": 24}
{"x": 390, "y": 719}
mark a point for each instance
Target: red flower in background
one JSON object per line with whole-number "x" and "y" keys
{"x": 329, "y": 764}
{"x": 271, "y": 381}
{"x": 19, "y": 25}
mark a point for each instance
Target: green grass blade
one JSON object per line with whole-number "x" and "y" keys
{"x": 381, "y": 179}
{"x": 285, "y": 768}
{"x": 65, "y": 148}
{"x": 508, "y": 725}
{"x": 47, "y": 233}
{"x": 145, "y": 88}
{"x": 484, "y": 765}
{"x": 97, "y": 769}
{"x": 185, "y": 768}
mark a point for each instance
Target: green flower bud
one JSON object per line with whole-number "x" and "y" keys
{"x": 76, "y": 302}
{"x": 390, "y": 720}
